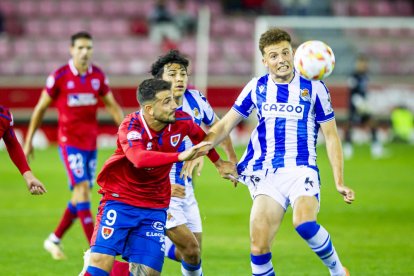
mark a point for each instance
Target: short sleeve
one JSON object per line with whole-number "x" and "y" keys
{"x": 52, "y": 86}
{"x": 244, "y": 104}
{"x": 104, "y": 86}
{"x": 129, "y": 135}
{"x": 208, "y": 112}
{"x": 323, "y": 105}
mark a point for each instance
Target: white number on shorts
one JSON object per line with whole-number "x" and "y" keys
{"x": 111, "y": 217}
{"x": 75, "y": 161}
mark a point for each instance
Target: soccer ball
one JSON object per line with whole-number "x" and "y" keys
{"x": 314, "y": 60}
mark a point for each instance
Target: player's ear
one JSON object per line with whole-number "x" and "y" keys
{"x": 149, "y": 109}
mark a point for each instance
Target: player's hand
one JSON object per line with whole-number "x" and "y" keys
{"x": 349, "y": 195}
{"x": 177, "y": 190}
{"x": 227, "y": 170}
{"x": 190, "y": 166}
{"x": 195, "y": 151}
{"x": 34, "y": 186}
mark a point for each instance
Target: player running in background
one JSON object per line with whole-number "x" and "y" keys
{"x": 16, "y": 154}
{"x": 135, "y": 183}
{"x": 359, "y": 109}
{"x": 279, "y": 164}
{"x": 75, "y": 89}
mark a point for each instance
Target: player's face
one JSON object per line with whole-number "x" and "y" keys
{"x": 177, "y": 75}
{"x": 82, "y": 51}
{"x": 278, "y": 58}
{"x": 163, "y": 107}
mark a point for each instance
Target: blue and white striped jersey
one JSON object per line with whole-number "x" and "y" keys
{"x": 289, "y": 116}
{"x": 195, "y": 104}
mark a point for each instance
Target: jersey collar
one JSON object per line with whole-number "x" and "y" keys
{"x": 74, "y": 70}
{"x": 147, "y": 129}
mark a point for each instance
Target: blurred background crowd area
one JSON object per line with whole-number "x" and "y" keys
{"x": 130, "y": 34}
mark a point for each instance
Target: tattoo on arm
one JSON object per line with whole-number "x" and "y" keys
{"x": 142, "y": 270}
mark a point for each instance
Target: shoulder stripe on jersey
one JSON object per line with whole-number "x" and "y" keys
{"x": 4, "y": 116}
{"x": 61, "y": 74}
{"x": 184, "y": 119}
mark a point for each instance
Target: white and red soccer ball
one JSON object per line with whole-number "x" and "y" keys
{"x": 314, "y": 60}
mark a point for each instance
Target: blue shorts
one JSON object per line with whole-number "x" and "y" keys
{"x": 137, "y": 234}
{"x": 80, "y": 164}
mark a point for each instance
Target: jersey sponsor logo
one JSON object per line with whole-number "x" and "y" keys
{"x": 134, "y": 135}
{"x": 304, "y": 95}
{"x": 50, "y": 82}
{"x": 107, "y": 232}
{"x": 70, "y": 85}
{"x": 175, "y": 139}
{"x": 82, "y": 99}
{"x": 158, "y": 226}
{"x": 95, "y": 84}
{"x": 283, "y": 110}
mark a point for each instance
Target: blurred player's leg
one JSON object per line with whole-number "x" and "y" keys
{"x": 81, "y": 195}
{"x": 171, "y": 251}
{"x": 53, "y": 246}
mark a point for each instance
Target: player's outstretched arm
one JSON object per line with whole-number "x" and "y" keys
{"x": 35, "y": 121}
{"x": 191, "y": 165}
{"x": 34, "y": 186}
{"x": 334, "y": 150}
{"x": 195, "y": 151}
{"x": 222, "y": 129}
{"x": 227, "y": 145}
{"x": 227, "y": 170}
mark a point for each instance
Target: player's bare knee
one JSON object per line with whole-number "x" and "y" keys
{"x": 102, "y": 261}
{"x": 192, "y": 254}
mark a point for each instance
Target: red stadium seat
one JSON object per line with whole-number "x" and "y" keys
{"x": 48, "y": 8}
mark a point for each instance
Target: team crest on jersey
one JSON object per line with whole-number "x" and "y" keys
{"x": 134, "y": 135}
{"x": 175, "y": 139}
{"x": 304, "y": 94}
{"x": 107, "y": 232}
{"x": 95, "y": 84}
{"x": 196, "y": 112}
{"x": 149, "y": 146}
{"x": 70, "y": 85}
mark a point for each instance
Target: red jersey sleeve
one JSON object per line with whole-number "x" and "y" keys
{"x": 104, "y": 87}
{"x": 14, "y": 148}
{"x": 134, "y": 144}
{"x": 52, "y": 87}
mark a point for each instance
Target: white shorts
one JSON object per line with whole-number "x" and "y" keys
{"x": 285, "y": 185}
{"x": 184, "y": 211}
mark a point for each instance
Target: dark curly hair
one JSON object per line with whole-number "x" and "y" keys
{"x": 273, "y": 36}
{"x": 173, "y": 56}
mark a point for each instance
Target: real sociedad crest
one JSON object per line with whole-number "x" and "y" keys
{"x": 175, "y": 139}
{"x": 95, "y": 84}
{"x": 304, "y": 94}
{"x": 107, "y": 232}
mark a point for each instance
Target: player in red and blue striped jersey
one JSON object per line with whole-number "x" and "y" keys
{"x": 75, "y": 89}
{"x": 135, "y": 184}
{"x": 16, "y": 154}
{"x": 279, "y": 165}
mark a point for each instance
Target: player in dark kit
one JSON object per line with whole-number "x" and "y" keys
{"x": 135, "y": 184}
{"x": 16, "y": 154}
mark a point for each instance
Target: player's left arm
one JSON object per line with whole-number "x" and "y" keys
{"x": 335, "y": 155}
{"x": 113, "y": 107}
{"x": 16, "y": 154}
{"x": 227, "y": 145}
{"x": 225, "y": 168}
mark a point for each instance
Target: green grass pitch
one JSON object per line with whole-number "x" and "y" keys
{"x": 374, "y": 236}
